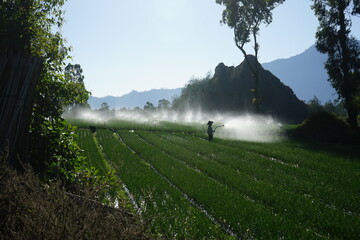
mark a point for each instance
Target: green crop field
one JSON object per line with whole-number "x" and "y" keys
{"x": 185, "y": 187}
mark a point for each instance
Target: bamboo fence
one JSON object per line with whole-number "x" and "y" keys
{"x": 18, "y": 78}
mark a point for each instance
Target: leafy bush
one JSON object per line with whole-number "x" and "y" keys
{"x": 324, "y": 126}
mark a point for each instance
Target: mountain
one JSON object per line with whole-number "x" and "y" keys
{"x": 230, "y": 90}
{"x": 304, "y": 74}
{"x": 135, "y": 98}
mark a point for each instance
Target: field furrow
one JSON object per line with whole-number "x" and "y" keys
{"x": 293, "y": 208}
{"x": 332, "y": 189}
{"x": 246, "y": 218}
{"x": 300, "y": 154}
{"x": 186, "y": 187}
{"x": 172, "y": 215}
{"x": 92, "y": 153}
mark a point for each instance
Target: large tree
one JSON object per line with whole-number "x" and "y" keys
{"x": 343, "y": 50}
{"x": 163, "y": 104}
{"x": 75, "y": 84}
{"x": 245, "y": 17}
{"x": 149, "y": 106}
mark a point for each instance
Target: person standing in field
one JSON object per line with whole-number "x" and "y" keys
{"x": 210, "y": 131}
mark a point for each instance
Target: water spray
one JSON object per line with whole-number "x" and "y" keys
{"x": 244, "y": 127}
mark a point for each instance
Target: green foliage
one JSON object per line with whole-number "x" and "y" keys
{"x": 74, "y": 73}
{"x": 324, "y": 126}
{"x": 26, "y": 26}
{"x": 105, "y": 106}
{"x": 163, "y": 104}
{"x": 333, "y": 37}
{"x": 335, "y": 107}
{"x": 74, "y": 170}
{"x": 61, "y": 142}
{"x": 149, "y": 106}
{"x": 33, "y": 28}
{"x": 246, "y": 16}
{"x": 194, "y": 95}
{"x": 77, "y": 95}
{"x": 105, "y": 187}
{"x": 314, "y": 105}
{"x": 104, "y": 111}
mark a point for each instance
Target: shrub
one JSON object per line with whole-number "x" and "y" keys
{"x": 324, "y": 126}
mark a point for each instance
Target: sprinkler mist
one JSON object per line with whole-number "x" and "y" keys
{"x": 250, "y": 128}
{"x": 244, "y": 127}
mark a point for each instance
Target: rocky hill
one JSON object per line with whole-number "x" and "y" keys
{"x": 229, "y": 90}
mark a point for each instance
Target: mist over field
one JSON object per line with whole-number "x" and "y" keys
{"x": 245, "y": 127}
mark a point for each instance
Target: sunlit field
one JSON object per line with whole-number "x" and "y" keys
{"x": 186, "y": 187}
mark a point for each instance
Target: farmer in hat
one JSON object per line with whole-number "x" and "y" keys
{"x": 210, "y": 131}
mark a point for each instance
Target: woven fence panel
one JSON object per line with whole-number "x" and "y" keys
{"x": 18, "y": 78}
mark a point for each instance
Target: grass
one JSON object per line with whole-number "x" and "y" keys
{"x": 187, "y": 187}
{"x": 91, "y": 151}
{"x": 248, "y": 177}
{"x": 168, "y": 212}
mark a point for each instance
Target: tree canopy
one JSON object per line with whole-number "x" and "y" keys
{"x": 105, "y": 106}
{"x": 334, "y": 38}
{"x": 163, "y": 104}
{"x": 149, "y": 106}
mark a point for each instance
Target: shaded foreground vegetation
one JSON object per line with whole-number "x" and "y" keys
{"x": 31, "y": 209}
{"x": 186, "y": 187}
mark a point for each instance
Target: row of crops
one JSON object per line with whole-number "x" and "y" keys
{"x": 185, "y": 187}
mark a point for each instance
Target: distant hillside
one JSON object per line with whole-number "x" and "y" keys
{"x": 229, "y": 90}
{"x": 304, "y": 74}
{"x": 135, "y": 99}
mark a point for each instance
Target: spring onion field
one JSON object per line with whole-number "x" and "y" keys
{"x": 186, "y": 187}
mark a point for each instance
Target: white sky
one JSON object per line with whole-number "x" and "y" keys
{"x": 125, "y": 45}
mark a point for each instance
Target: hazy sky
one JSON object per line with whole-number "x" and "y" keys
{"x": 125, "y": 45}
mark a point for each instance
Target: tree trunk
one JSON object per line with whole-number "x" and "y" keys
{"x": 347, "y": 85}
{"x": 352, "y": 113}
